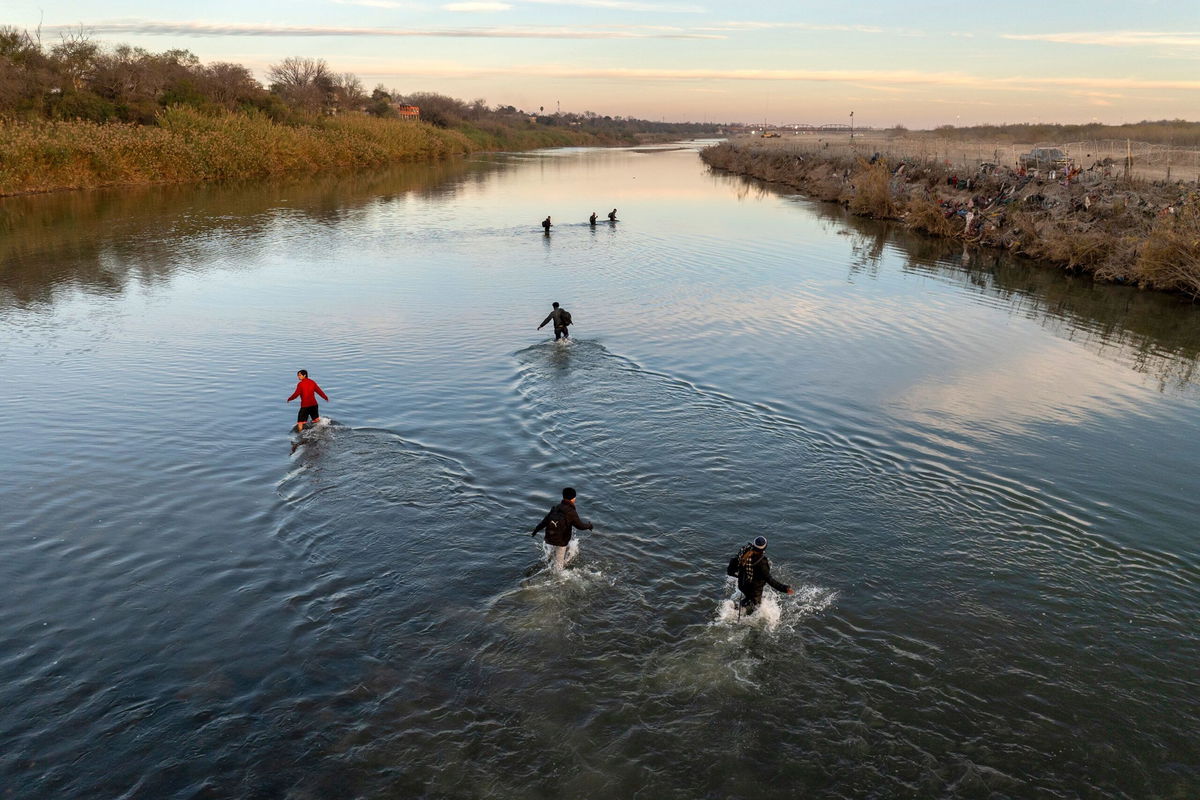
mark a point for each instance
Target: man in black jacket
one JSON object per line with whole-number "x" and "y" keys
{"x": 753, "y": 572}
{"x": 558, "y": 523}
{"x": 561, "y": 319}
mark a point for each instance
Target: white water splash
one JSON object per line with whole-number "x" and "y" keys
{"x": 776, "y": 609}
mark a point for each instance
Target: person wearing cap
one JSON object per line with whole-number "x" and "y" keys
{"x": 558, "y": 523}
{"x": 753, "y": 572}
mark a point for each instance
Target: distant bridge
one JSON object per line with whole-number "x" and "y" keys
{"x": 828, "y": 127}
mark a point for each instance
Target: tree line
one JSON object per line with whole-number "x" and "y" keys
{"x": 1175, "y": 132}
{"x": 78, "y": 78}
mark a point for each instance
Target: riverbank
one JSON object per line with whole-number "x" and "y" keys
{"x": 1090, "y": 221}
{"x": 189, "y": 146}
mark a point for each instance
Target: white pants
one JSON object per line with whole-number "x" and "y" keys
{"x": 560, "y": 557}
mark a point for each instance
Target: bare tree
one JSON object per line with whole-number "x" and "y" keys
{"x": 76, "y": 56}
{"x": 348, "y": 90}
{"x": 306, "y": 83}
{"x": 230, "y": 84}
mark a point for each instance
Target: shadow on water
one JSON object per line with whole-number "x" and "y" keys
{"x": 1156, "y": 334}
{"x": 98, "y": 241}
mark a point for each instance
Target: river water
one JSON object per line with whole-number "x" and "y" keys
{"x": 978, "y": 474}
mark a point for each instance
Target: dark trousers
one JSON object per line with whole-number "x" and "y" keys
{"x": 561, "y": 333}
{"x": 751, "y": 599}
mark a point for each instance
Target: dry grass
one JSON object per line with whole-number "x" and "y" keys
{"x": 1170, "y": 257}
{"x": 1074, "y": 248}
{"x": 188, "y": 145}
{"x": 926, "y": 216}
{"x": 872, "y": 192}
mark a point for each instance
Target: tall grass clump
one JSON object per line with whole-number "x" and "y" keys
{"x": 872, "y": 193}
{"x": 926, "y": 216}
{"x": 1170, "y": 257}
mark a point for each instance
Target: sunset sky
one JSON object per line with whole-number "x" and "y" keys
{"x": 917, "y": 63}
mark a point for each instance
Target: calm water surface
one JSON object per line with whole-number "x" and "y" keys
{"x": 979, "y": 475}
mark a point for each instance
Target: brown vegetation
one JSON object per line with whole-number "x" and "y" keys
{"x": 1144, "y": 234}
{"x": 79, "y": 114}
{"x": 870, "y": 194}
{"x": 1170, "y": 257}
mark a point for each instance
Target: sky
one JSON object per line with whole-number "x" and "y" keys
{"x": 918, "y": 64}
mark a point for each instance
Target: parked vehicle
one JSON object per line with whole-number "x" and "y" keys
{"x": 1044, "y": 158}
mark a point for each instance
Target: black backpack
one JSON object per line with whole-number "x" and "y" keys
{"x": 741, "y": 566}
{"x": 564, "y": 318}
{"x": 558, "y": 529}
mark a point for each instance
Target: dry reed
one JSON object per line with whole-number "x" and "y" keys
{"x": 1170, "y": 257}
{"x": 188, "y": 145}
{"x": 871, "y": 194}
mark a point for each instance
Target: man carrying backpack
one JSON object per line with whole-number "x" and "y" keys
{"x": 753, "y": 572}
{"x": 561, "y": 319}
{"x": 558, "y": 523}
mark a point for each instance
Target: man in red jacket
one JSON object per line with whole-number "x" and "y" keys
{"x": 307, "y": 390}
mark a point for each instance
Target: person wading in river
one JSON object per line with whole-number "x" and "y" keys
{"x": 612, "y": 215}
{"x": 558, "y": 523}
{"x": 307, "y": 390}
{"x": 546, "y": 225}
{"x": 561, "y": 319}
{"x": 753, "y": 572}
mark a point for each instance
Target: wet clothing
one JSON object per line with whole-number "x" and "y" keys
{"x": 308, "y": 412}
{"x": 612, "y": 215}
{"x": 592, "y": 218}
{"x": 557, "y": 316}
{"x": 753, "y": 572}
{"x": 546, "y": 224}
{"x": 560, "y": 535}
{"x": 307, "y": 390}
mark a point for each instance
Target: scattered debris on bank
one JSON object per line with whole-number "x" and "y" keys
{"x": 1088, "y": 220}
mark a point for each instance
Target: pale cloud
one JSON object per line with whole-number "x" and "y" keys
{"x": 380, "y": 4}
{"x": 1115, "y": 38}
{"x": 477, "y": 7}
{"x": 246, "y": 29}
{"x": 623, "y": 5}
{"x": 800, "y": 26}
{"x": 863, "y": 77}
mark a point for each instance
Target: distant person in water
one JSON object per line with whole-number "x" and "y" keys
{"x": 753, "y": 572}
{"x": 612, "y": 215}
{"x": 546, "y": 225}
{"x": 307, "y": 390}
{"x": 592, "y": 219}
{"x": 558, "y": 523}
{"x": 561, "y": 319}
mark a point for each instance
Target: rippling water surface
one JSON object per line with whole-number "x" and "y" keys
{"x": 978, "y": 474}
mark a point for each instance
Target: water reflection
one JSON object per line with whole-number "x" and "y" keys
{"x": 1153, "y": 333}
{"x": 98, "y": 241}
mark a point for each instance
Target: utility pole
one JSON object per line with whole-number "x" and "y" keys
{"x": 852, "y": 126}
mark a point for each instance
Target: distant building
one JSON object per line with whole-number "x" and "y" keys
{"x": 407, "y": 112}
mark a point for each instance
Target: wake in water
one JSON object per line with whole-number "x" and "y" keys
{"x": 314, "y": 433}
{"x": 776, "y": 609}
{"x": 550, "y": 599}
